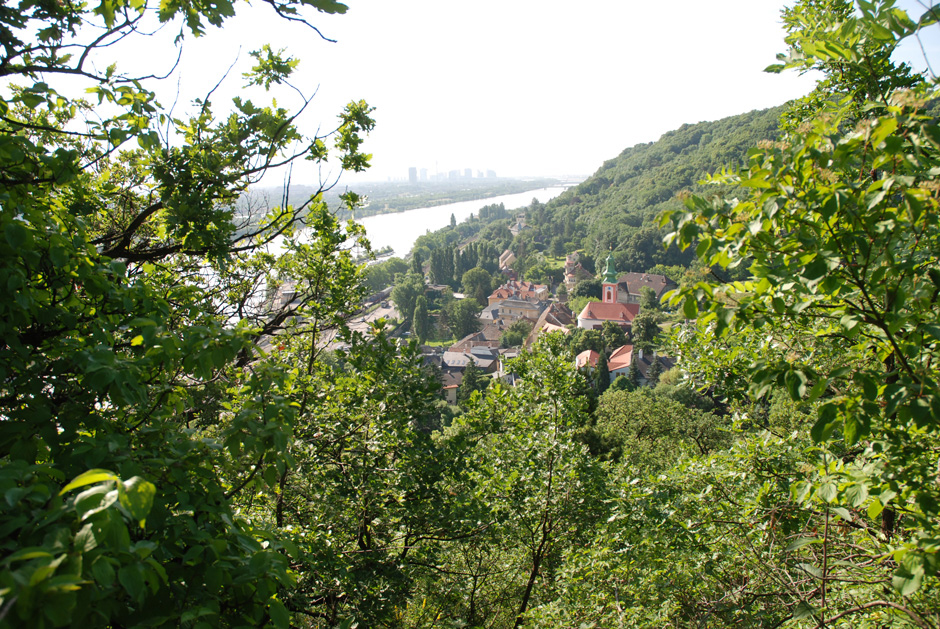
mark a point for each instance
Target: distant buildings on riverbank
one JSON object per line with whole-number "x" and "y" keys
{"x": 415, "y": 175}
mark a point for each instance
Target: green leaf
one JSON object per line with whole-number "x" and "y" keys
{"x": 801, "y": 542}
{"x": 131, "y": 578}
{"x": 279, "y": 614}
{"x": 25, "y": 554}
{"x": 827, "y": 492}
{"x": 818, "y": 389}
{"x": 328, "y": 6}
{"x": 690, "y": 308}
{"x": 796, "y": 384}
{"x": 137, "y": 498}
{"x": 843, "y": 513}
{"x": 906, "y": 580}
{"x": 825, "y": 424}
{"x": 89, "y": 477}
{"x": 103, "y": 571}
{"x": 810, "y": 569}
{"x": 15, "y": 234}
{"x": 886, "y": 126}
{"x": 856, "y": 494}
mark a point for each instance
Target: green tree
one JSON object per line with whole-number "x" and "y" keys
{"x": 863, "y": 73}
{"x": 642, "y": 428}
{"x": 581, "y": 339}
{"x": 587, "y": 288}
{"x": 463, "y": 317}
{"x": 417, "y": 262}
{"x": 655, "y": 370}
{"x": 381, "y": 275}
{"x": 420, "y": 320}
{"x": 141, "y": 416}
{"x": 539, "y": 489}
{"x": 613, "y": 336}
{"x": 477, "y": 284}
{"x": 621, "y": 383}
{"x": 367, "y": 496}
{"x": 516, "y": 334}
{"x": 473, "y": 380}
{"x": 633, "y": 376}
{"x": 408, "y": 287}
{"x": 648, "y": 301}
{"x": 601, "y": 373}
{"x": 645, "y": 329}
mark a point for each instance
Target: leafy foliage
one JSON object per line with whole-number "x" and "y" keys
{"x": 836, "y": 225}
{"x": 139, "y": 410}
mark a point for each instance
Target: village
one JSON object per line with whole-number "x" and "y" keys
{"x": 540, "y": 311}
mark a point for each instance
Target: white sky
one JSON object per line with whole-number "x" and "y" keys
{"x": 521, "y": 87}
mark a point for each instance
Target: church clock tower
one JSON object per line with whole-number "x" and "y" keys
{"x": 609, "y": 287}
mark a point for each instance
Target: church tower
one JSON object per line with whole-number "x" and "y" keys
{"x": 609, "y": 287}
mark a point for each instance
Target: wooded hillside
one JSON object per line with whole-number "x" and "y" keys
{"x": 615, "y": 208}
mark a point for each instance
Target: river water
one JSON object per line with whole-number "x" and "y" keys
{"x": 400, "y": 230}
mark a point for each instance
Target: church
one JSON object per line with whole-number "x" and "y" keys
{"x": 595, "y": 313}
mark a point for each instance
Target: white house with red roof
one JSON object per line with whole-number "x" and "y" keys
{"x": 621, "y": 358}
{"x": 586, "y": 359}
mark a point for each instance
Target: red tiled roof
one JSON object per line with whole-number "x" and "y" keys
{"x": 618, "y": 312}
{"x": 587, "y": 358}
{"x": 620, "y": 357}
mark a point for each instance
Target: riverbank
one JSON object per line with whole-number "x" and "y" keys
{"x": 400, "y": 230}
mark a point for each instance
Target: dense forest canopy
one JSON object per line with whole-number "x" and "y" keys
{"x": 179, "y": 446}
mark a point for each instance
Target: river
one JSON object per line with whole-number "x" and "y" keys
{"x": 400, "y": 230}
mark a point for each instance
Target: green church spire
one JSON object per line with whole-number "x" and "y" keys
{"x": 610, "y": 273}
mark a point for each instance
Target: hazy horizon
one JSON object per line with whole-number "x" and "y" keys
{"x": 518, "y": 88}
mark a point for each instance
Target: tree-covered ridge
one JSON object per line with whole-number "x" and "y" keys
{"x": 615, "y": 207}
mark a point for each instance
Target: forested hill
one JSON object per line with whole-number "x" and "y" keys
{"x": 616, "y": 206}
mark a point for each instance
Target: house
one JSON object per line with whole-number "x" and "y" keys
{"x": 506, "y": 259}
{"x": 555, "y": 318}
{"x": 490, "y": 313}
{"x": 619, "y": 362}
{"x": 484, "y": 358}
{"x": 526, "y": 291}
{"x": 621, "y": 358}
{"x": 450, "y": 393}
{"x": 489, "y": 336}
{"x": 586, "y": 360}
{"x": 502, "y": 370}
{"x": 628, "y": 288}
{"x": 631, "y": 285}
{"x": 520, "y": 309}
{"x": 574, "y": 272}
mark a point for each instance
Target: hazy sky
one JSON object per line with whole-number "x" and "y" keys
{"x": 521, "y": 87}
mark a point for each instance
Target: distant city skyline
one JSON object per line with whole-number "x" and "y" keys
{"x": 415, "y": 174}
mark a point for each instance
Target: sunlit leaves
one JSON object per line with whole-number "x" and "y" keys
{"x": 271, "y": 67}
